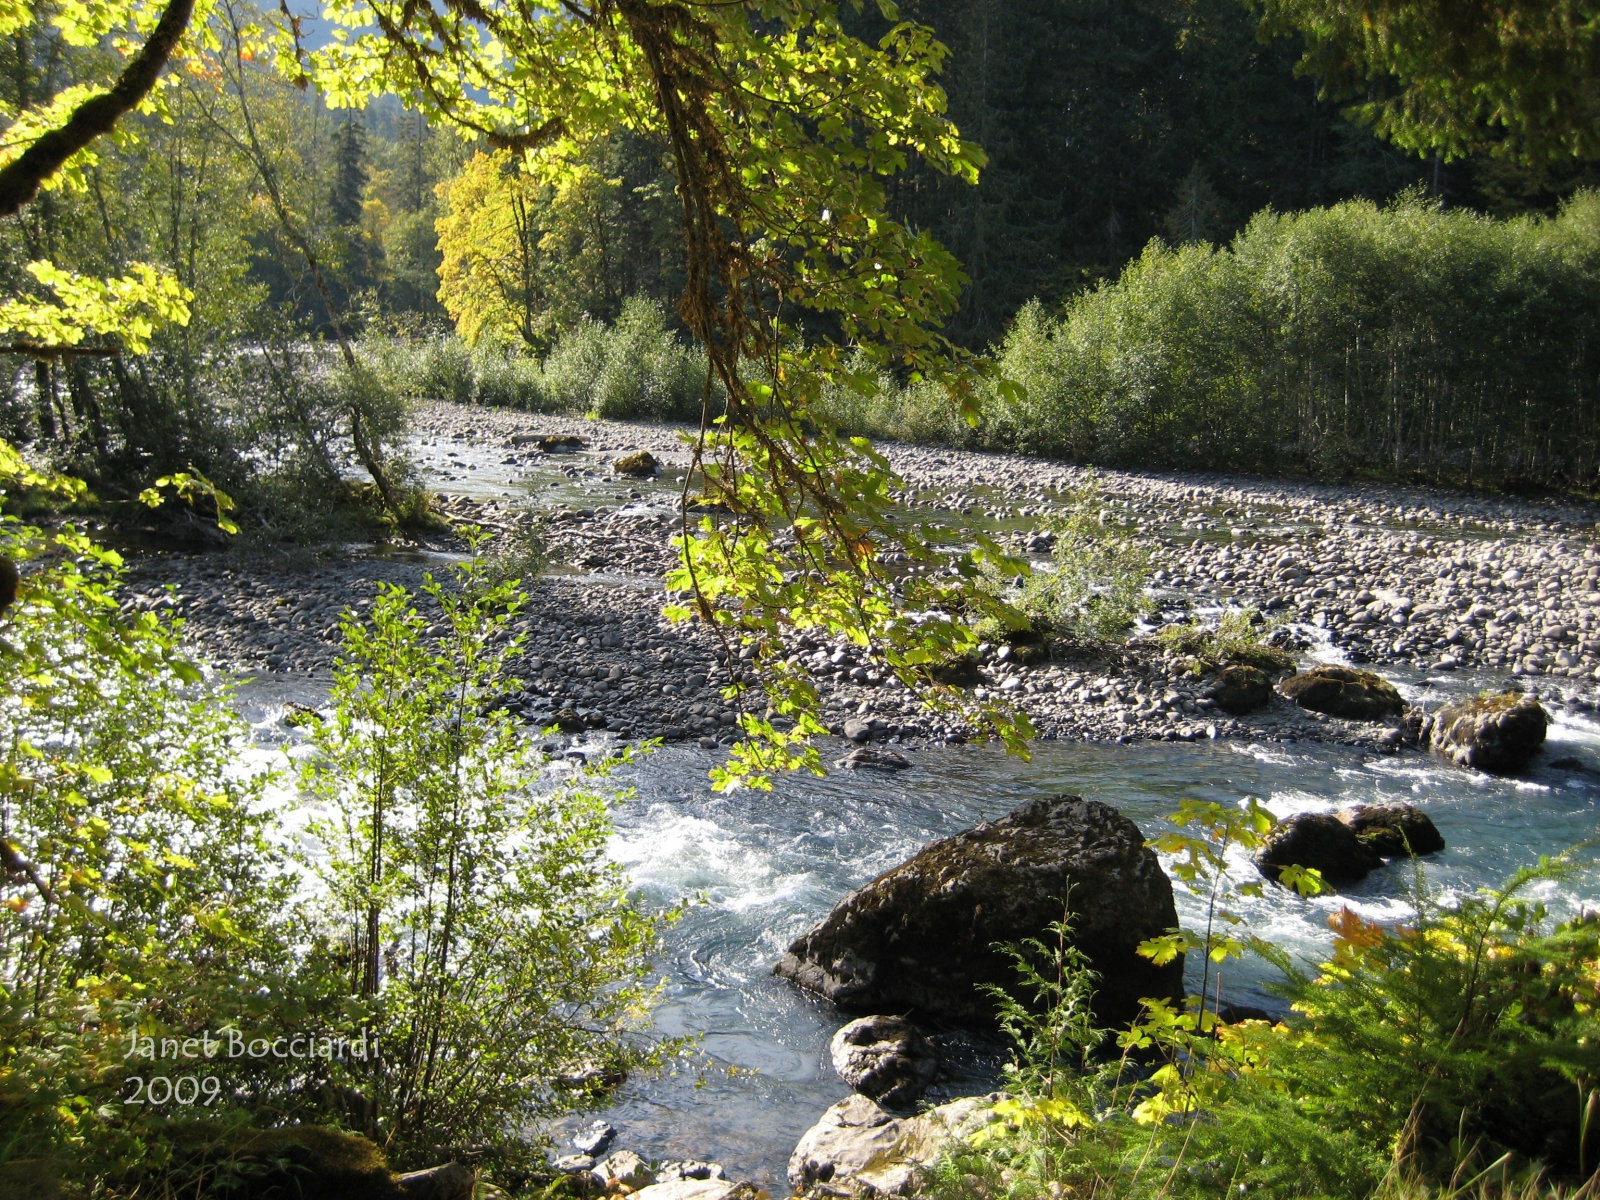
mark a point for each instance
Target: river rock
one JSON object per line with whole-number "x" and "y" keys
{"x": 452, "y": 1181}
{"x": 1393, "y": 830}
{"x": 690, "y": 1168}
{"x": 1239, "y": 689}
{"x": 641, "y": 464}
{"x": 1320, "y": 841}
{"x": 627, "y": 1169}
{"x": 886, "y": 1059}
{"x": 688, "y": 1189}
{"x": 861, "y": 1149}
{"x": 1344, "y": 692}
{"x": 870, "y": 757}
{"x": 1490, "y": 733}
{"x": 560, "y": 443}
{"x": 922, "y": 935}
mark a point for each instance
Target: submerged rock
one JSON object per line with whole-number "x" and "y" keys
{"x": 1344, "y": 692}
{"x": 1393, "y": 830}
{"x": 1239, "y": 689}
{"x": 885, "y": 1058}
{"x": 1318, "y": 841}
{"x": 923, "y": 935}
{"x": 859, "y": 1149}
{"x": 1491, "y": 733}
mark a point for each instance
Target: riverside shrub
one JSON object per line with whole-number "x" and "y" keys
{"x": 1402, "y": 341}
{"x": 1456, "y": 1054}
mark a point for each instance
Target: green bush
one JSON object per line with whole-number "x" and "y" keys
{"x": 1403, "y": 341}
{"x": 636, "y": 369}
{"x": 1454, "y": 1055}
{"x": 472, "y": 920}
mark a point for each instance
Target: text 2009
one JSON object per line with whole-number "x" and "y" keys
{"x": 185, "y": 1090}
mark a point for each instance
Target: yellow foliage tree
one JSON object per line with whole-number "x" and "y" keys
{"x": 523, "y": 256}
{"x": 489, "y": 279}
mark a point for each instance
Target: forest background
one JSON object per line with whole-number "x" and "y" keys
{"x": 1105, "y": 126}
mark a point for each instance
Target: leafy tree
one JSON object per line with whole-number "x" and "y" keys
{"x": 1517, "y": 79}
{"x": 782, "y": 126}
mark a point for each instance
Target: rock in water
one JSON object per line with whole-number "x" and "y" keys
{"x": 859, "y": 1149}
{"x": 1319, "y": 841}
{"x": 922, "y": 935}
{"x": 1240, "y": 688}
{"x": 1344, "y": 692}
{"x": 560, "y": 443}
{"x": 641, "y": 464}
{"x": 885, "y": 1058}
{"x": 1393, "y": 830}
{"x": 866, "y": 756}
{"x": 1490, "y": 733}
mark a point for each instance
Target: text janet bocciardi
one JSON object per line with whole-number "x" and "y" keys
{"x": 234, "y": 1043}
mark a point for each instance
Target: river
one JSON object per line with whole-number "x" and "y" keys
{"x": 763, "y": 867}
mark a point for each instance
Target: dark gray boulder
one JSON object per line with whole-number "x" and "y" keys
{"x": 923, "y": 935}
{"x": 1490, "y": 732}
{"x": 1239, "y": 689}
{"x": 1344, "y": 692}
{"x": 885, "y": 1057}
{"x": 1393, "y": 830}
{"x": 1319, "y": 841}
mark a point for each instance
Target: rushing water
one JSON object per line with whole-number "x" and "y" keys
{"x": 762, "y": 868}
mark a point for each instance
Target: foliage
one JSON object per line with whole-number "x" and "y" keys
{"x": 1093, "y": 589}
{"x": 1236, "y": 636}
{"x": 1453, "y": 1055}
{"x": 141, "y": 892}
{"x": 482, "y": 935}
{"x": 1404, "y": 341}
{"x": 528, "y": 256}
{"x": 1475, "y": 1024}
{"x": 1449, "y": 77}
{"x": 129, "y": 307}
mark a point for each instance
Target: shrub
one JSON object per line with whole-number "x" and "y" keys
{"x": 477, "y": 928}
{"x": 1094, "y": 587}
{"x": 636, "y": 369}
{"x": 140, "y": 891}
{"x": 1236, "y": 636}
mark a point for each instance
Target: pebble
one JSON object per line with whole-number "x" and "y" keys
{"x": 1385, "y": 575}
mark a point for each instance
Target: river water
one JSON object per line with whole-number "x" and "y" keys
{"x": 763, "y": 867}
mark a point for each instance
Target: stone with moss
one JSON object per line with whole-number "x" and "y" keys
{"x": 1490, "y": 732}
{"x": 641, "y": 465}
{"x": 310, "y": 1162}
{"x": 1344, "y": 692}
{"x": 1240, "y": 688}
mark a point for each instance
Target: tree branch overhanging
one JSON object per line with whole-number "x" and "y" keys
{"x": 21, "y": 178}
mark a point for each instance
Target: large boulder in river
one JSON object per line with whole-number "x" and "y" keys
{"x": 1319, "y": 841}
{"x": 1240, "y": 688}
{"x": 1491, "y": 733}
{"x": 1393, "y": 830}
{"x": 923, "y": 935}
{"x": 858, "y": 1149}
{"x": 1344, "y": 692}
{"x": 886, "y": 1058}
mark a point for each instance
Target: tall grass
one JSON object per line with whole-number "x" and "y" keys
{"x": 1403, "y": 341}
